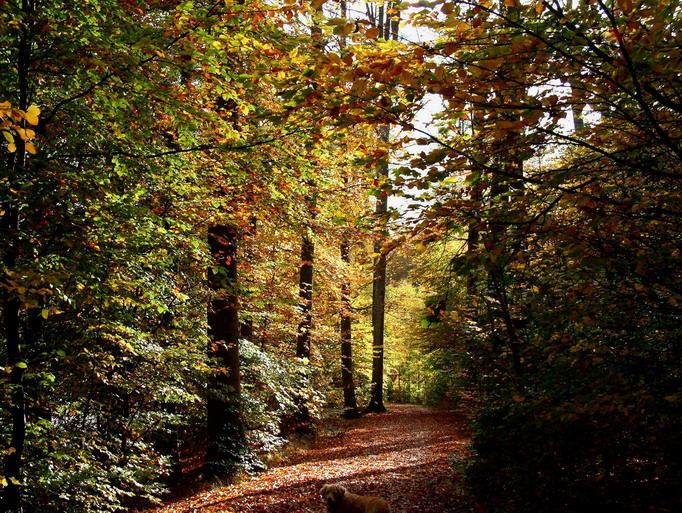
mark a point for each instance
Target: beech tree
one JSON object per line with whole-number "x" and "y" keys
{"x": 226, "y": 441}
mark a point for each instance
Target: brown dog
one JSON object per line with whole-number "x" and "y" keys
{"x": 340, "y": 500}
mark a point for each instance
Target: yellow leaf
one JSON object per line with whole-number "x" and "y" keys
{"x": 316, "y": 4}
{"x": 11, "y": 147}
{"x": 30, "y": 147}
{"x": 32, "y": 115}
{"x": 8, "y": 136}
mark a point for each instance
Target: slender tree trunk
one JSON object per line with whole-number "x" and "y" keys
{"x": 305, "y": 292}
{"x": 305, "y": 278}
{"x": 350, "y": 406}
{"x": 17, "y": 407}
{"x": 388, "y": 28}
{"x": 225, "y": 429}
{"x": 376, "y": 404}
{"x": 11, "y": 498}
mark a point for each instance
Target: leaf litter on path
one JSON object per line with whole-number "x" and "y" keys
{"x": 404, "y": 455}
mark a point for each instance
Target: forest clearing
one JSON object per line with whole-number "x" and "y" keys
{"x": 233, "y": 231}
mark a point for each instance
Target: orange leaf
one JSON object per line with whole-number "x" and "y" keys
{"x": 372, "y": 33}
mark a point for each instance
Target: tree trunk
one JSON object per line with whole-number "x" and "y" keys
{"x": 17, "y": 407}
{"x": 350, "y": 406}
{"x": 305, "y": 292}
{"x": 376, "y": 404}
{"x": 11, "y": 497}
{"x": 225, "y": 429}
{"x": 389, "y": 30}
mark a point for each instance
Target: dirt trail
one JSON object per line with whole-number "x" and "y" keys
{"x": 403, "y": 455}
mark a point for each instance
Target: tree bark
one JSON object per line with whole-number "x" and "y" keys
{"x": 350, "y": 406}
{"x": 388, "y": 28}
{"x": 376, "y": 404}
{"x": 225, "y": 428}
{"x": 11, "y": 498}
{"x": 305, "y": 293}
{"x": 17, "y": 407}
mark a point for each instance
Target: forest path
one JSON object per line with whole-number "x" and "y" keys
{"x": 403, "y": 455}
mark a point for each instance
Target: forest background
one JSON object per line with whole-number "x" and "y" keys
{"x": 194, "y": 227}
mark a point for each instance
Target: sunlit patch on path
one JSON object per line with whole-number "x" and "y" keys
{"x": 404, "y": 455}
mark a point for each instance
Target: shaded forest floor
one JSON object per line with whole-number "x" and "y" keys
{"x": 404, "y": 456}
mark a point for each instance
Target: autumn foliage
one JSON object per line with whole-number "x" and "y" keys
{"x": 168, "y": 162}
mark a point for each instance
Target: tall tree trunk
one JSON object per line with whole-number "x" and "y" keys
{"x": 11, "y": 498}
{"x": 17, "y": 407}
{"x": 305, "y": 277}
{"x": 305, "y": 292}
{"x": 388, "y": 28}
{"x": 350, "y": 406}
{"x": 376, "y": 404}
{"x": 225, "y": 428}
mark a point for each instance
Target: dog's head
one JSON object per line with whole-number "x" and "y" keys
{"x": 332, "y": 494}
